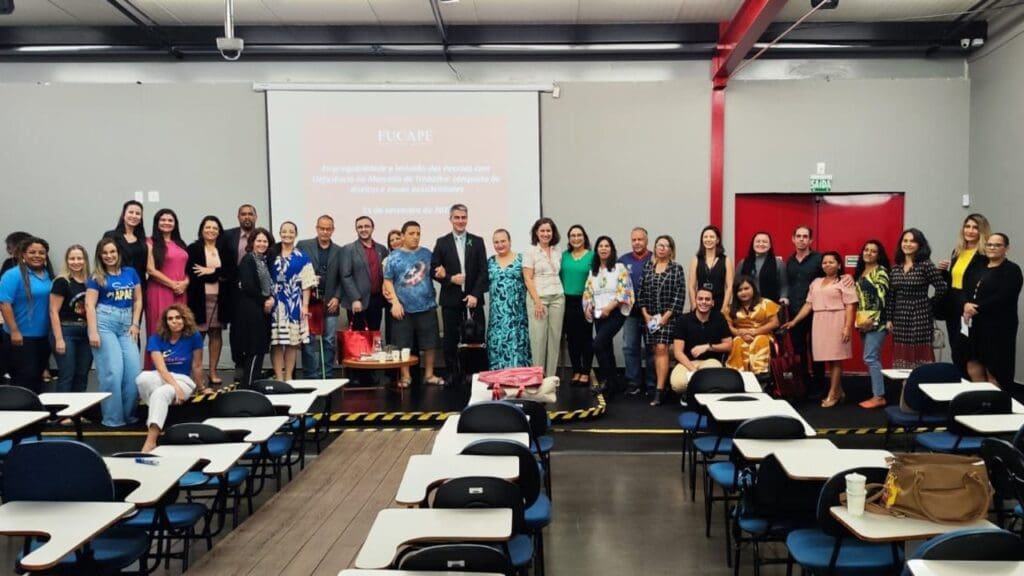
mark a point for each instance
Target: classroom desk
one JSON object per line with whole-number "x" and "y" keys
{"x": 898, "y": 374}
{"x": 357, "y": 572}
{"x": 260, "y": 428}
{"x": 219, "y": 457}
{"x": 802, "y": 464}
{"x": 740, "y": 411}
{"x": 884, "y": 528}
{"x": 154, "y": 479}
{"x": 964, "y": 568}
{"x": 72, "y": 403}
{"x": 750, "y": 383}
{"x": 319, "y": 387}
{"x": 704, "y": 399}
{"x": 992, "y": 423}
{"x": 425, "y": 471}
{"x": 754, "y": 449}
{"x": 946, "y": 392}
{"x": 450, "y": 441}
{"x": 297, "y": 404}
{"x": 479, "y": 391}
{"x": 68, "y": 524}
{"x": 397, "y": 527}
{"x": 13, "y": 420}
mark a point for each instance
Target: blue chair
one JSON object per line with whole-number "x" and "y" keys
{"x": 831, "y": 548}
{"x": 958, "y": 439}
{"x": 276, "y": 450}
{"x": 537, "y": 505}
{"x": 1005, "y": 465}
{"x": 771, "y": 506}
{"x": 299, "y": 425}
{"x": 978, "y": 544}
{"x": 196, "y": 482}
{"x": 927, "y": 413}
{"x": 168, "y": 520}
{"x": 69, "y": 471}
{"x": 716, "y": 442}
{"x": 542, "y": 442}
{"x": 694, "y": 421}
{"x": 463, "y": 557}
{"x": 488, "y": 492}
{"x": 727, "y": 474}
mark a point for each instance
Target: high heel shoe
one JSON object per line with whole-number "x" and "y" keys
{"x": 659, "y": 397}
{"x": 831, "y": 401}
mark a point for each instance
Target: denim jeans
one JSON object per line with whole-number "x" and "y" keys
{"x": 633, "y": 334}
{"x": 605, "y": 330}
{"x": 74, "y": 363}
{"x": 873, "y": 359}
{"x": 117, "y": 365}
{"x": 312, "y": 365}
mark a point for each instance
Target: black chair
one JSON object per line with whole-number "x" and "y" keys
{"x": 715, "y": 442}
{"x": 727, "y": 474}
{"x": 276, "y": 450}
{"x": 831, "y": 548}
{"x": 978, "y": 544}
{"x": 459, "y": 557}
{"x": 299, "y": 425}
{"x": 537, "y": 505}
{"x": 694, "y": 421}
{"x": 493, "y": 416}
{"x": 958, "y": 439}
{"x": 69, "y": 471}
{"x": 488, "y": 492}
{"x": 927, "y": 413}
{"x": 542, "y": 442}
{"x": 16, "y": 398}
{"x": 168, "y": 520}
{"x": 1005, "y": 465}
{"x": 197, "y": 483}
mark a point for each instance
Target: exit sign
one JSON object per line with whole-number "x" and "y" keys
{"x": 821, "y": 183}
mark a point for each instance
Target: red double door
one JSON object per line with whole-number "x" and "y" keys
{"x": 841, "y": 222}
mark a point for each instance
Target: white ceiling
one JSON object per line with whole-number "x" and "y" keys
{"x": 398, "y": 12}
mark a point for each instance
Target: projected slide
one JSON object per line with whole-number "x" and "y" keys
{"x": 404, "y": 156}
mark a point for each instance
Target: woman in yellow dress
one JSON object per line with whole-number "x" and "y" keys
{"x": 752, "y": 320}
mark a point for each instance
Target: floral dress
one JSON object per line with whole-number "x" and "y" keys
{"x": 292, "y": 274}
{"x": 508, "y": 331}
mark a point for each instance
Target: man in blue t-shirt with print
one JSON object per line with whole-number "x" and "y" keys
{"x": 410, "y": 289}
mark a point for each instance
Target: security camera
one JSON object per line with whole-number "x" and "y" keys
{"x": 230, "y": 48}
{"x": 965, "y": 43}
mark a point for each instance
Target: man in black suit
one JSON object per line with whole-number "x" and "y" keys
{"x": 318, "y": 356}
{"x": 234, "y": 241}
{"x": 460, "y": 265}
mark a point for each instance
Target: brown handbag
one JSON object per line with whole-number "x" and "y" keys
{"x": 942, "y": 488}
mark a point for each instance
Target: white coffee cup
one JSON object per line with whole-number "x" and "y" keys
{"x": 406, "y": 353}
{"x": 855, "y": 502}
{"x": 855, "y": 482}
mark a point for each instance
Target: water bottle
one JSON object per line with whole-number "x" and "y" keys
{"x": 377, "y": 348}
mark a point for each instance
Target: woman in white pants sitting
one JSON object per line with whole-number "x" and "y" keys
{"x": 177, "y": 352}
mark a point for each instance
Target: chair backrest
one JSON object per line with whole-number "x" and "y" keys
{"x": 456, "y": 557}
{"x": 482, "y": 492}
{"x": 493, "y": 416}
{"x": 934, "y": 373}
{"x": 829, "y": 497}
{"x": 1005, "y": 465}
{"x": 18, "y": 398}
{"x": 242, "y": 404}
{"x": 771, "y": 428}
{"x": 270, "y": 386}
{"x": 1018, "y": 439}
{"x": 774, "y": 494}
{"x": 713, "y": 380}
{"x": 529, "y": 470}
{"x": 979, "y": 544}
{"x": 195, "y": 433}
{"x": 975, "y": 403}
{"x": 58, "y": 471}
{"x": 538, "y": 415}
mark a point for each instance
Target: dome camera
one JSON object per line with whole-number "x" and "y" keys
{"x": 230, "y": 48}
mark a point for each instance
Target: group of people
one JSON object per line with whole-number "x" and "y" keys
{"x": 275, "y": 293}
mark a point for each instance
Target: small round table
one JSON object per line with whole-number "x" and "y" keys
{"x": 395, "y": 365}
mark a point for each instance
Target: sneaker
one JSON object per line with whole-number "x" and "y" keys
{"x": 873, "y": 402}
{"x": 682, "y": 402}
{"x": 632, "y": 390}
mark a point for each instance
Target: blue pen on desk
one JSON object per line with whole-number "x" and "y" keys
{"x": 148, "y": 461}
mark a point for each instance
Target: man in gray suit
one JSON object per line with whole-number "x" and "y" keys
{"x": 318, "y": 356}
{"x": 362, "y": 277}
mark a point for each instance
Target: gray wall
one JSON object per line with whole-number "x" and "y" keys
{"x": 997, "y": 138}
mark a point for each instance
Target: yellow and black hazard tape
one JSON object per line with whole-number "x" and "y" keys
{"x": 210, "y": 395}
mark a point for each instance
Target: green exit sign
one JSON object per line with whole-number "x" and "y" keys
{"x": 821, "y": 183}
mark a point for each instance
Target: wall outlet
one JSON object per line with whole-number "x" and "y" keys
{"x": 966, "y": 200}
{"x": 140, "y": 196}
{"x": 154, "y": 195}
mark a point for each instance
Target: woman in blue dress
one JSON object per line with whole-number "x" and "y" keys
{"x": 508, "y": 333}
{"x": 293, "y": 276}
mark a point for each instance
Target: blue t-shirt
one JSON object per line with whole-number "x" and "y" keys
{"x": 33, "y": 317}
{"x": 119, "y": 291}
{"x": 410, "y": 273}
{"x": 177, "y": 356}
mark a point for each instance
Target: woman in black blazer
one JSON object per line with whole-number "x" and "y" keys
{"x": 961, "y": 272}
{"x": 207, "y": 295}
{"x": 250, "y": 328}
{"x": 992, "y": 310}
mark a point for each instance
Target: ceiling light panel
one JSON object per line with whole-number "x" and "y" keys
{"x": 206, "y": 12}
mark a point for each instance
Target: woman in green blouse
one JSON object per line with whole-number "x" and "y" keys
{"x": 579, "y": 334}
{"x": 872, "y": 274}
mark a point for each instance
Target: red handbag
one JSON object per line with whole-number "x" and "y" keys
{"x": 521, "y": 378}
{"x": 357, "y": 343}
{"x": 316, "y": 318}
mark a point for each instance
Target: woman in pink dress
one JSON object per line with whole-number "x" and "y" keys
{"x": 834, "y": 304}
{"x": 167, "y": 282}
